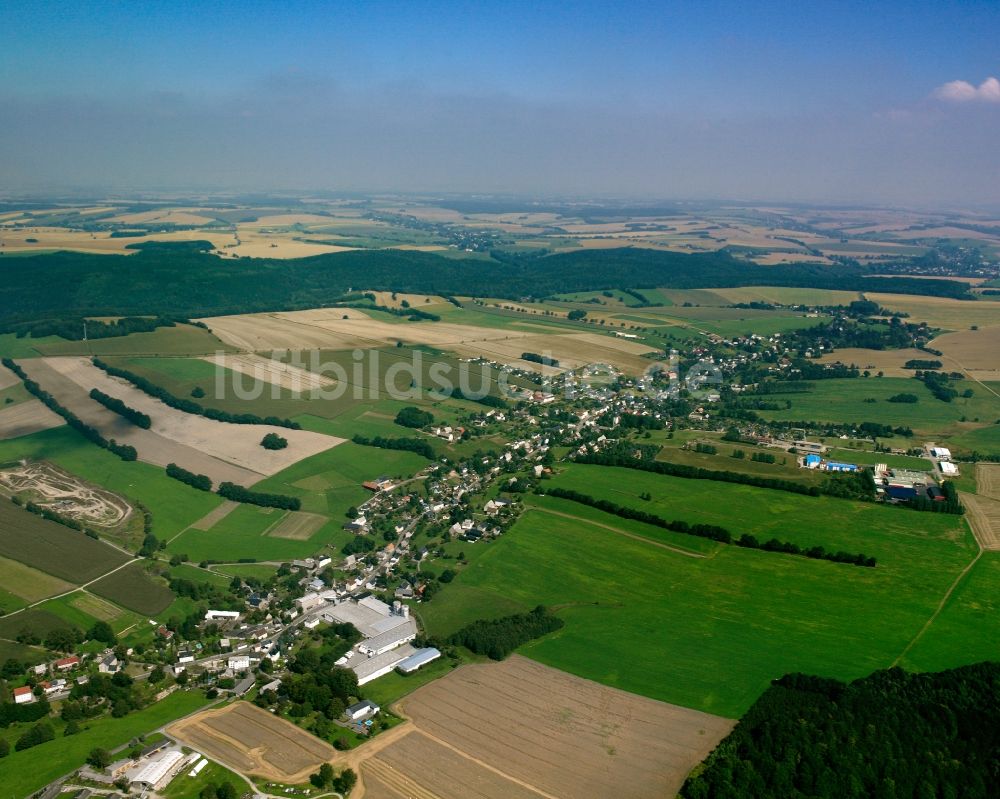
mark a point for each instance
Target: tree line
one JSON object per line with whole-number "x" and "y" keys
{"x": 190, "y": 406}
{"x": 497, "y": 638}
{"x": 138, "y": 418}
{"x": 124, "y": 451}
{"x": 73, "y": 328}
{"x": 418, "y": 445}
{"x": 887, "y": 736}
{"x": 534, "y": 357}
{"x": 238, "y": 493}
{"x": 710, "y": 531}
{"x": 200, "y": 481}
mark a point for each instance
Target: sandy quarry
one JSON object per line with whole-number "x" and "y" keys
{"x": 220, "y": 450}
{"x": 51, "y": 487}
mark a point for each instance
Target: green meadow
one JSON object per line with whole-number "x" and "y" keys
{"x": 27, "y": 771}
{"x": 711, "y": 632}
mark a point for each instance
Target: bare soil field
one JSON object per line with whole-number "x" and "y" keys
{"x": 7, "y": 378}
{"x": 983, "y": 514}
{"x": 942, "y": 312}
{"x": 175, "y": 437}
{"x": 888, "y": 361}
{"x": 297, "y": 526}
{"x": 418, "y": 766}
{"x": 572, "y": 350}
{"x": 252, "y": 741}
{"x": 234, "y": 444}
{"x": 554, "y": 733}
{"x": 26, "y": 418}
{"x": 328, "y": 329}
{"x": 51, "y": 487}
{"x": 975, "y": 351}
{"x": 270, "y": 371}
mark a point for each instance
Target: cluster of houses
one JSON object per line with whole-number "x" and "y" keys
{"x": 59, "y": 672}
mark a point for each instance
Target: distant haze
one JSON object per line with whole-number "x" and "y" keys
{"x": 843, "y": 102}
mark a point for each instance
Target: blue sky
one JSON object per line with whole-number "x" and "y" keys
{"x": 798, "y": 101}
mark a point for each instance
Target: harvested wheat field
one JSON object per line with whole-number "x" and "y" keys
{"x": 253, "y": 741}
{"x": 520, "y": 728}
{"x": 275, "y": 373}
{"x": 326, "y": 328}
{"x": 572, "y": 350}
{"x": 890, "y": 362}
{"x": 8, "y": 378}
{"x": 220, "y": 450}
{"x": 26, "y": 418}
{"x": 974, "y": 351}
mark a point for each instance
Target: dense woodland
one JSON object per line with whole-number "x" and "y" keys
{"x": 184, "y": 281}
{"x": 891, "y": 735}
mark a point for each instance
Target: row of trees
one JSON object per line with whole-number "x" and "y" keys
{"x": 710, "y": 531}
{"x": 534, "y": 357}
{"x": 200, "y": 481}
{"x": 138, "y": 418}
{"x": 238, "y": 493}
{"x": 497, "y": 638}
{"x": 623, "y": 455}
{"x": 73, "y": 328}
{"x": 92, "y": 434}
{"x": 418, "y": 445}
{"x": 190, "y": 406}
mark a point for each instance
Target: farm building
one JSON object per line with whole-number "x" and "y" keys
{"x": 420, "y": 658}
{"x": 368, "y": 669}
{"x": 941, "y": 453}
{"x": 67, "y": 664}
{"x": 812, "y": 461}
{"x": 948, "y": 468}
{"x": 156, "y": 773}
{"x": 23, "y": 695}
{"x": 362, "y": 710}
{"x": 391, "y": 639}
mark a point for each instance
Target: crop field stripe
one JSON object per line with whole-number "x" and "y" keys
{"x": 619, "y": 531}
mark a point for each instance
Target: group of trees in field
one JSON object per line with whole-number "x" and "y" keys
{"x": 886, "y": 736}
{"x": 497, "y": 638}
{"x": 138, "y": 418}
{"x": 905, "y": 398}
{"x": 534, "y": 357}
{"x": 413, "y": 417}
{"x": 200, "y": 481}
{"x": 124, "y": 451}
{"x": 238, "y": 493}
{"x": 917, "y": 363}
{"x": 938, "y": 383}
{"x": 274, "y": 441}
{"x": 710, "y": 531}
{"x": 190, "y": 406}
{"x": 418, "y": 445}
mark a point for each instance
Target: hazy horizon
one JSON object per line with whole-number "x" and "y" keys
{"x": 837, "y": 103}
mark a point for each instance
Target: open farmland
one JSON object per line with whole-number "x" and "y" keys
{"x": 273, "y": 372}
{"x": 53, "y": 548}
{"x": 134, "y": 588}
{"x": 29, "y": 584}
{"x": 549, "y": 731}
{"x": 889, "y": 362}
{"x": 669, "y": 626}
{"x": 973, "y": 351}
{"x": 253, "y": 741}
{"x": 221, "y": 450}
{"x": 26, "y": 418}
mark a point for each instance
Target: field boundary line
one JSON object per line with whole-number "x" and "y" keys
{"x": 944, "y": 601}
{"x": 487, "y": 766}
{"x": 619, "y": 531}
